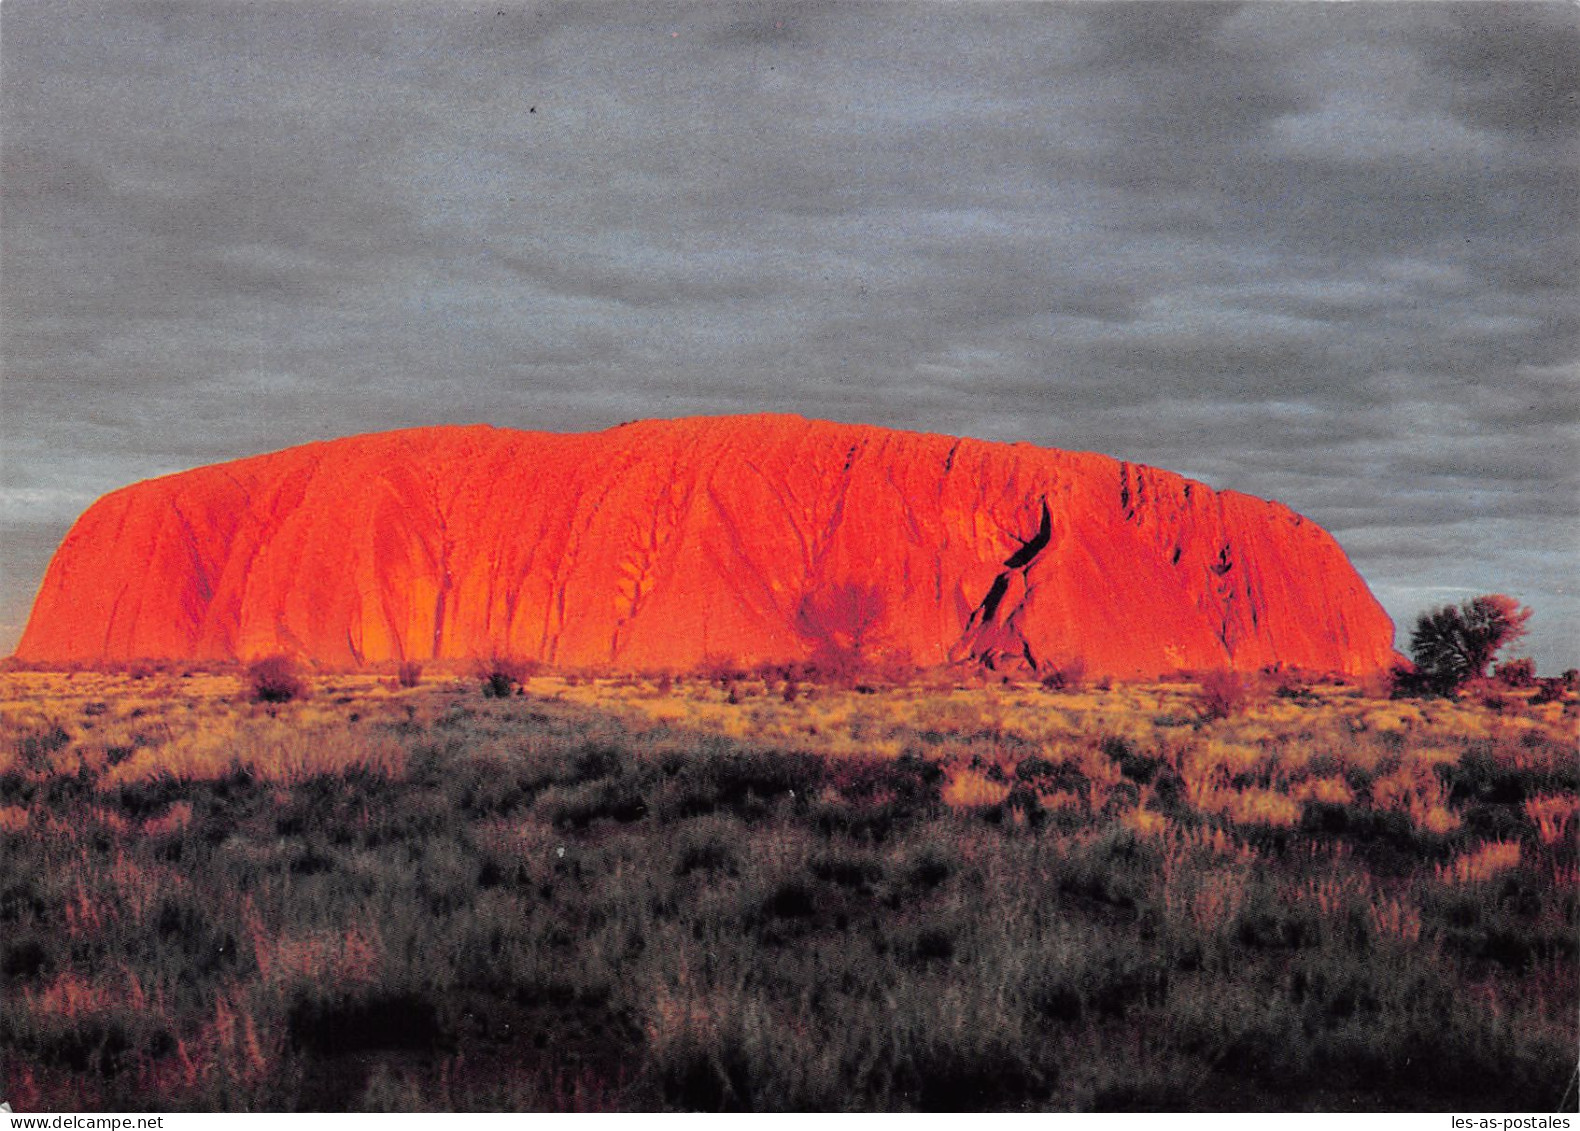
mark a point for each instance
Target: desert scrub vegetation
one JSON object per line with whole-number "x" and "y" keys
{"x": 708, "y": 894}
{"x": 276, "y": 679}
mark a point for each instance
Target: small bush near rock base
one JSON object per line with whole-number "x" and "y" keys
{"x": 1223, "y": 694}
{"x": 503, "y": 675}
{"x": 276, "y": 679}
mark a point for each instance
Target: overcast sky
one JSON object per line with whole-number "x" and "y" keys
{"x": 1324, "y": 253}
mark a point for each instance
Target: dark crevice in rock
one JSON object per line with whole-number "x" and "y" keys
{"x": 989, "y": 607}
{"x": 1034, "y": 546}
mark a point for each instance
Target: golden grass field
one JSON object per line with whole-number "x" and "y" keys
{"x": 754, "y": 892}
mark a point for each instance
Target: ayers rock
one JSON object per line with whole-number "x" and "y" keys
{"x": 658, "y": 544}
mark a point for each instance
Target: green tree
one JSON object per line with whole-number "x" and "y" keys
{"x": 1456, "y": 643}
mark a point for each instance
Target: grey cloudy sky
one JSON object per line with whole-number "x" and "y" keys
{"x": 1324, "y": 253}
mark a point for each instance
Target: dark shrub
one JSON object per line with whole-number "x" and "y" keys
{"x": 484, "y": 785}
{"x": 1479, "y": 777}
{"x": 276, "y": 679}
{"x": 948, "y": 1077}
{"x": 592, "y": 763}
{"x": 932, "y": 944}
{"x": 1030, "y": 769}
{"x": 1056, "y": 1000}
{"x": 25, "y": 959}
{"x": 1268, "y": 925}
{"x": 36, "y": 748}
{"x": 186, "y": 927}
{"x": 1146, "y": 1095}
{"x": 929, "y": 868}
{"x": 150, "y": 797}
{"x": 1548, "y": 691}
{"x": 696, "y": 1078}
{"x": 502, "y": 676}
{"x": 1496, "y": 703}
{"x": 497, "y": 685}
{"x": 846, "y": 871}
{"x": 613, "y": 801}
{"x": 1127, "y": 984}
{"x": 365, "y": 1022}
{"x": 1331, "y": 993}
{"x": 1289, "y": 685}
{"x": 101, "y": 1045}
{"x": 745, "y": 784}
{"x": 1066, "y": 777}
{"x": 1496, "y": 821}
{"x": 1516, "y": 673}
{"x": 1117, "y": 748}
{"x": 791, "y": 900}
{"x": 21, "y": 899}
{"x": 15, "y": 790}
{"x": 409, "y": 674}
{"x": 861, "y": 820}
{"x": 1136, "y": 766}
{"x": 875, "y": 796}
{"x": 706, "y": 854}
{"x": 311, "y": 862}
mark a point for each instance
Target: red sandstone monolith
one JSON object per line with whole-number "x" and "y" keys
{"x": 665, "y": 543}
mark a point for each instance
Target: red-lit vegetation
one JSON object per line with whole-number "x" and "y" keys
{"x": 766, "y": 891}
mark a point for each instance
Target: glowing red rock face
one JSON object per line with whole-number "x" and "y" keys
{"x": 654, "y": 545}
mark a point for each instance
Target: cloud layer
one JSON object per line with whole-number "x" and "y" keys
{"x": 1319, "y": 252}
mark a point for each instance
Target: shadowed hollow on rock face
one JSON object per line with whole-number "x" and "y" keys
{"x": 662, "y": 543}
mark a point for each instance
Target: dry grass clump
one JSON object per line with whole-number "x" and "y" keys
{"x": 71, "y": 996}
{"x": 174, "y": 819}
{"x": 1146, "y": 822}
{"x": 1416, "y": 790}
{"x": 1260, "y": 807}
{"x": 1553, "y": 815}
{"x": 1482, "y": 863}
{"x": 272, "y": 749}
{"x": 1396, "y": 919}
{"x": 344, "y": 958}
{"x": 971, "y": 789}
{"x": 1328, "y": 790}
{"x": 1216, "y": 898}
